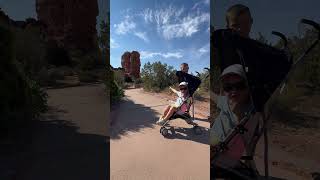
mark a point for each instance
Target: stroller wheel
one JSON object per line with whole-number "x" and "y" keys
{"x": 161, "y": 129}
{"x": 164, "y": 132}
{"x": 172, "y": 130}
{"x": 197, "y": 130}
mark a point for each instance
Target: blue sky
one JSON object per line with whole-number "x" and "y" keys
{"x": 170, "y": 31}
{"x": 270, "y": 15}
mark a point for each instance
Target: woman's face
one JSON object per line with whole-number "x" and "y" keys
{"x": 183, "y": 90}
{"x": 235, "y": 88}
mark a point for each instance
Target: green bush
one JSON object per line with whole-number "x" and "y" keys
{"x": 30, "y": 50}
{"x": 205, "y": 84}
{"x": 138, "y": 81}
{"x": 309, "y": 70}
{"x": 157, "y": 76}
{"x": 113, "y": 89}
{"x": 118, "y": 77}
{"x": 87, "y": 62}
{"x": 116, "y": 92}
{"x": 38, "y": 99}
{"x": 21, "y": 98}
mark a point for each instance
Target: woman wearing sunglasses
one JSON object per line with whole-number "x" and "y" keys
{"x": 181, "y": 105}
{"x": 233, "y": 102}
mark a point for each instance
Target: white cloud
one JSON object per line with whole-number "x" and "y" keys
{"x": 177, "y": 55}
{"x": 186, "y": 28}
{"x": 203, "y": 50}
{"x": 113, "y": 44}
{"x": 205, "y": 2}
{"x": 147, "y": 15}
{"x": 128, "y": 26}
{"x": 171, "y": 23}
{"x": 142, "y": 35}
{"x": 199, "y": 54}
{"x": 148, "y": 54}
{"x": 125, "y": 26}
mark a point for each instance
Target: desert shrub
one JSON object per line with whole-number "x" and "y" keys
{"x": 87, "y": 62}
{"x": 86, "y": 68}
{"x": 114, "y": 91}
{"x": 157, "y": 76}
{"x": 138, "y": 81}
{"x": 308, "y": 71}
{"x": 205, "y": 81}
{"x": 38, "y": 98}
{"x": 21, "y": 97}
{"x": 118, "y": 77}
{"x": 303, "y": 82}
{"x": 30, "y": 50}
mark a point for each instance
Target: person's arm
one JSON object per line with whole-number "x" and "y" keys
{"x": 173, "y": 90}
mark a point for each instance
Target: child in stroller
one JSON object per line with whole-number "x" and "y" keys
{"x": 180, "y": 107}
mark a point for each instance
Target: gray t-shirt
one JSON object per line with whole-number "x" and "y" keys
{"x": 223, "y": 126}
{"x": 225, "y": 121}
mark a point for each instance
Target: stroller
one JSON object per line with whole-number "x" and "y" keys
{"x": 193, "y": 84}
{"x": 254, "y": 58}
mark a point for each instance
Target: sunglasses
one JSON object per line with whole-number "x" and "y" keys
{"x": 227, "y": 87}
{"x": 183, "y": 89}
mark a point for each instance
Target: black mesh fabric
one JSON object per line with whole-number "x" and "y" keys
{"x": 193, "y": 81}
{"x": 266, "y": 66}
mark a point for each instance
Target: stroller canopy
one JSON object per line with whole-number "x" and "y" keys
{"x": 193, "y": 81}
{"x": 265, "y": 66}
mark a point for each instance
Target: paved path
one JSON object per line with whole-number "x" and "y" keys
{"x": 138, "y": 151}
{"x": 70, "y": 142}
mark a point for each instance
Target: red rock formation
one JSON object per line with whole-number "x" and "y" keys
{"x": 135, "y": 64}
{"x": 131, "y": 64}
{"x": 125, "y": 62}
{"x": 72, "y": 23}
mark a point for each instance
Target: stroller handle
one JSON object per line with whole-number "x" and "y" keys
{"x": 313, "y": 24}
{"x": 282, "y": 36}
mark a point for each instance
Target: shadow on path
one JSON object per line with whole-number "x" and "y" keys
{"x": 202, "y": 119}
{"x": 130, "y": 117}
{"x": 189, "y": 134}
{"x": 57, "y": 150}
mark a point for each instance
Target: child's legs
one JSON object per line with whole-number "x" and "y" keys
{"x": 166, "y": 111}
{"x": 170, "y": 113}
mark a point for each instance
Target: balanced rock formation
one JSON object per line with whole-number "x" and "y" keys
{"x": 125, "y": 62}
{"x": 131, "y": 64}
{"x": 135, "y": 64}
{"x": 71, "y": 23}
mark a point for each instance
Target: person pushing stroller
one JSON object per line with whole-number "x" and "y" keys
{"x": 187, "y": 86}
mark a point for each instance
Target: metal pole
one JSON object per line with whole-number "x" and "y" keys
{"x": 266, "y": 152}
{"x": 193, "y": 108}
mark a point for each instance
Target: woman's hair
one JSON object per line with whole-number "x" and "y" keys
{"x": 235, "y": 11}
